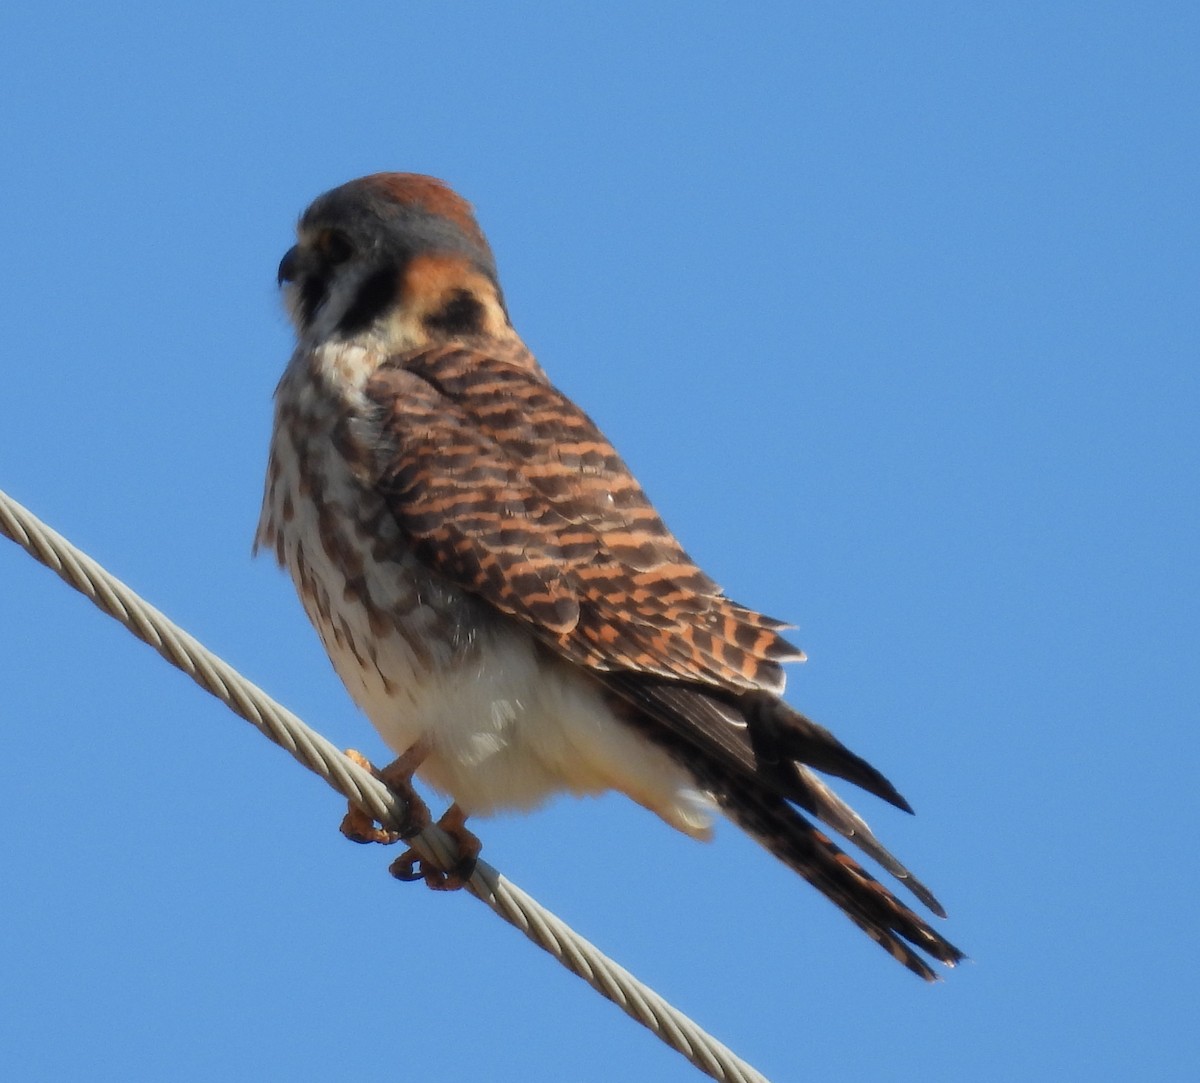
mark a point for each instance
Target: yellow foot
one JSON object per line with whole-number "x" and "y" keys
{"x": 359, "y": 826}
{"x": 411, "y": 866}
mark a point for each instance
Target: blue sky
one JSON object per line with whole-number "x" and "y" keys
{"x": 892, "y": 309}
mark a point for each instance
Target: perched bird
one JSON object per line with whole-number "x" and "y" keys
{"x": 494, "y": 588}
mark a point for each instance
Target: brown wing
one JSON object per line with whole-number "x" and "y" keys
{"x": 508, "y": 488}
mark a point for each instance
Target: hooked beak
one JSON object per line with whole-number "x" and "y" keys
{"x": 289, "y": 266}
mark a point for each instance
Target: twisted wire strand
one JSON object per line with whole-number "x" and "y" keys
{"x": 358, "y": 785}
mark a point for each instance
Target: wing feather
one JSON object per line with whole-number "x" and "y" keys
{"x": 508, "y": 488}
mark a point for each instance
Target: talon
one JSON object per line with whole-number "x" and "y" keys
{"x": 410, "y": 866}
{"x": 358, "y": 826}
{"x": 464, "y": 867}
{"x": 406, "y": 867}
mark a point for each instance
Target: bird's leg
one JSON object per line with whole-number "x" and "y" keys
{"x": 358, "y": 826}
{"x": 411, "y": 866}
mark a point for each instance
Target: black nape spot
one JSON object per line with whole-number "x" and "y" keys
{"x": 463, "y": 314}
{"x": 375, "y": 296}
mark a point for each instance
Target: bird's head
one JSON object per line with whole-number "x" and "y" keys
{"x": 393, "y": 257}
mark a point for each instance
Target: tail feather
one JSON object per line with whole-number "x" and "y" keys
{"x": 757, "y": 756}
{"x": 780, "y": 733}
{"x": 830, "y": 809}
{"x": 809, "y": 852}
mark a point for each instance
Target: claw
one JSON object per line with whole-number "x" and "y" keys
{"x": 410, "y": 866}
{"x": 405, "y": 867}
{"x": 359, "y": 826}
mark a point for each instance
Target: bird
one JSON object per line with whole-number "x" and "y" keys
{"x": 497, "y": 592}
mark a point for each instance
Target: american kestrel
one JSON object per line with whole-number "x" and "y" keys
{"x": 494, "y": 588}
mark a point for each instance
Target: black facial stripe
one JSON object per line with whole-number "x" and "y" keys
{"x": 463, "y": 314}
{"x": 314, "y": 288}
{"x": 376, "y": 294}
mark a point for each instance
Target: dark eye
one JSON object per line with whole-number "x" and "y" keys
{"x": 335, "y": 247}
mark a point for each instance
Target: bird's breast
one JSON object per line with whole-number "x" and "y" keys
{"x": 391, "y": 626}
